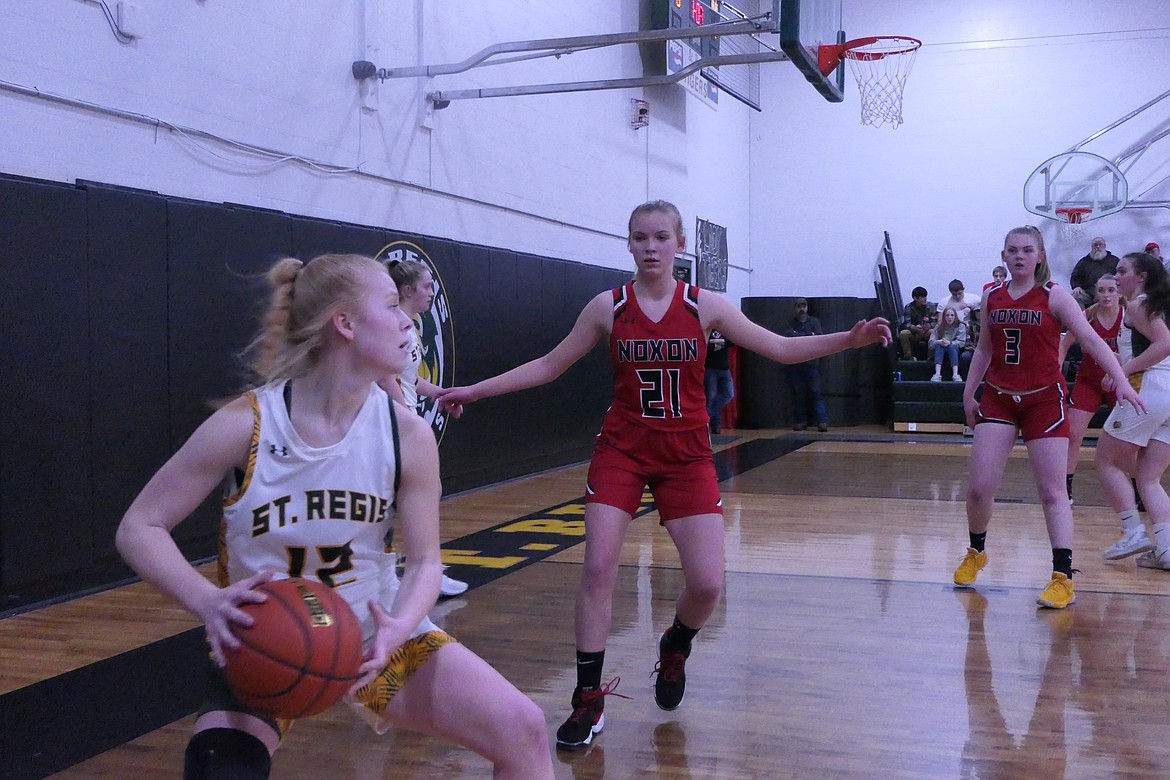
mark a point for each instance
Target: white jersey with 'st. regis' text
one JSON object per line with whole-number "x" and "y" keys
{"x": 317, "y": 512}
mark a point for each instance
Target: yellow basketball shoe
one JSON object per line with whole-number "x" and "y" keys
{"x": 1059, "y": 593}
{"x": 972, "y": 563}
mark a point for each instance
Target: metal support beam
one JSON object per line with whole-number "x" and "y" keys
{"x": 556, "y": 47}
{"x": 445, "y": 97}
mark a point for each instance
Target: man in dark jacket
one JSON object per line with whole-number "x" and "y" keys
{"x": 1089, "y": 269}
{"x": 805, "y": 378}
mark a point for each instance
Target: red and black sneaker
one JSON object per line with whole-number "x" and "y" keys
{"x": 588, "y": 716}
{"x": 671, "y": 669}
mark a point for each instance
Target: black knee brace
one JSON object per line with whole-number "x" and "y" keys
{"x": 226, "y": 754}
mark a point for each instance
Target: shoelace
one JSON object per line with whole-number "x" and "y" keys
{"x": 590, "y": 698}
{"x": 671, "y": 665}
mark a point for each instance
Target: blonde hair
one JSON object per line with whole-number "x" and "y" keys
{"x": 1043, "y": 272}
{"x": 662, "y": 207}
{"x": 304, "y": 298}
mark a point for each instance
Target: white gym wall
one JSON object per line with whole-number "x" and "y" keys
{"x": 555, "y": 175}
{"x": 999, "y": 87}
{"x": 804, "y": 190}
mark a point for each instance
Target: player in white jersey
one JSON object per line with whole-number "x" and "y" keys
{"x": 416, "y": 292}
{"x": 311, "y": 459}
{"x": 1127, "y": 436}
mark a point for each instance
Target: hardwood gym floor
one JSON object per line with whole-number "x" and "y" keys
{"x": 841, "y": 648}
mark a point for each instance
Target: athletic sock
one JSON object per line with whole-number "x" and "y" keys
{"x": 978, "y": 541}
{"x": 589, "y": 667}
{"x": 679, "y": 635}
{"x": 1062, "y": 561}
{"x": 1162, "y": 535}
{"x": 1130, "y": 520}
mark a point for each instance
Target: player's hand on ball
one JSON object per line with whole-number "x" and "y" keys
{"x": 222, "y": 610}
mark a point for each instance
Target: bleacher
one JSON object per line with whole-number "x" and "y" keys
{"x": 920, "y": 405}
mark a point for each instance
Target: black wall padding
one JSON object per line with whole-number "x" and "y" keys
{"x": 216, "y": 290}
{"x": 46, "y": 447}
{"x": 855, "y": 383}
{"x": 504, "y": 319}
{"x": 312, "y": 237}
{"x": 128, "y": 347}
{"x": 123, "y": 323}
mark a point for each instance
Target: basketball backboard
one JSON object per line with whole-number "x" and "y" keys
{"x": 1079, "y": 180}
{"x": 804, "y": 26}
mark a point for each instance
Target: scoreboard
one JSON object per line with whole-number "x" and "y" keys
{"x": 680, "y": 53}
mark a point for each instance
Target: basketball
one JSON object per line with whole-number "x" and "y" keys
{"x": 302, "y": 653}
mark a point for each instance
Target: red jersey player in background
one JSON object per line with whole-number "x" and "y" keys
{"x": 1025, "y": 394}
{"x": 1105, "y": 317}
{"x": 654, "y": 434}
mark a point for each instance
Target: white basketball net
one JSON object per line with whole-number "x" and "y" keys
{"x": 1072, "y": 226}
{"x": 880, "y": 70}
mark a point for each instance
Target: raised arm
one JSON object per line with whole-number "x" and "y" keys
{"x": 718, "y": 313}
{"x": 593, "y": 324}
{"x": 144, "y": 538}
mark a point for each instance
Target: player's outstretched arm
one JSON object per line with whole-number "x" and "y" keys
{"x": 718, "y": 313}
{"x": 592, "y": 325}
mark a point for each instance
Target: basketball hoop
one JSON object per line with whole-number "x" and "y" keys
{"x": 880, "y": 65}
{"x": 1072, "y": 222}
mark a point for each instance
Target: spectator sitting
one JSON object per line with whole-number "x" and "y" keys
{"x": 960, "y": 301}
{"x": 1089, "y": 269}
{"x": 914, "y": 333}
{"x": 948, "y": 338}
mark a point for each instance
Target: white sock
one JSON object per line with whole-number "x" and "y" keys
{"x": 1130, "y": 520}
{"x": 1162, "y": 535}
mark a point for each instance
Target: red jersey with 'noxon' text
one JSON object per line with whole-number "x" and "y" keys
{"x": 1025, "y": 339}
{"x": 658, "y": 366}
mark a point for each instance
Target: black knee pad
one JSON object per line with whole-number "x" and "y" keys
{"x": 226, "y": 754}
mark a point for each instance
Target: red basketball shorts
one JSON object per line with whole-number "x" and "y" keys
{"x": 1088, "y": 396}
{"x": 1039, "y": 414}
{"x": 675, "y": 465}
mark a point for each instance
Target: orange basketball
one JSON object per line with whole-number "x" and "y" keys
{"x": 301, "y": 654}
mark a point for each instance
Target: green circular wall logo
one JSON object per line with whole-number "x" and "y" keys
{"x": 435, "y": 331}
